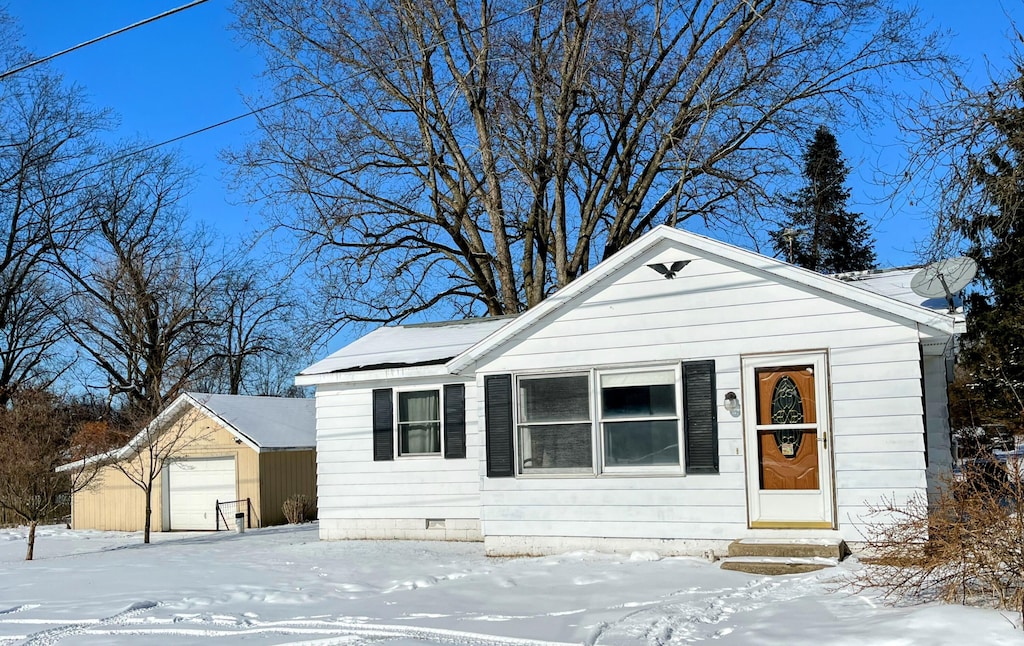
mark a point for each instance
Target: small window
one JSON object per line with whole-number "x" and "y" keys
{"x": 419, "y": 422}
{"x": 640, "y": 420}
{"x": 555, "y": 429}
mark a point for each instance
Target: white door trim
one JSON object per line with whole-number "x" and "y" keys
{"x": 811, "y": 508}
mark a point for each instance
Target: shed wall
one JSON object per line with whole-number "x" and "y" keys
{"x": 284, "y": 474}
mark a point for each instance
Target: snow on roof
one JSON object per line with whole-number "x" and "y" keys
{"x": 267, "y": 422}
{"x": 895, "y": 283}
{"x": 409, "y": 345}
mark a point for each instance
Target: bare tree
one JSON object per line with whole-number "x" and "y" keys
{"x": 258, "y": 320}
{"x": 141, "y": 284}
{"x": 142, "y": 458}
{"x": 46, "y": 133}
{"x": 38, "y": 435}
{"x": 477, "y": 156}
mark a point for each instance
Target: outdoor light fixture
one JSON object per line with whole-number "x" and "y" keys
{"x": 732, "y": 404}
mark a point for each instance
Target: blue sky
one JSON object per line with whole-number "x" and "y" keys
{"x": 189, "y": 71}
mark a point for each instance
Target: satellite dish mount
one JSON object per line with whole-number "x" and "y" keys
{"x": 944, "y": 278}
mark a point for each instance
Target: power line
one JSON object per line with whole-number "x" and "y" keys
{"x": 410, "y": 57}
{"x": 39, "y": 61}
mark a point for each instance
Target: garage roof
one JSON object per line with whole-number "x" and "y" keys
{"x": 268, "y": 423}
{"x": 262, "y": 423}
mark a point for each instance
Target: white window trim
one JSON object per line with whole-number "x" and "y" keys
{"x": 397, "y": 422}
{"x": 519, "y": 424}
{"x": 597, "y": 465}
{"x": 660, "y": 469}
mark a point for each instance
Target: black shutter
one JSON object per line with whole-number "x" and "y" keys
{"x": 498, "y": 418}
{"x": 700, "y": 421}
{"x": 454, "y": 421}
{"x": 383, "y": 425}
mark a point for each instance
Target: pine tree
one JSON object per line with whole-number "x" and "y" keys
{"x": 993, "y": 348}
{"x": 821, "y": 234}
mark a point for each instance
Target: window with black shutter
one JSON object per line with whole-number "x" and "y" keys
{"x": 383, "y": 425}
{"x": 454, "y": 421}
{"x": 700, "y": 416}
{"x": 498, "y": 426}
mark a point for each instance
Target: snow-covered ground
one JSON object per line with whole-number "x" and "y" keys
{"x": 283, "y": 586}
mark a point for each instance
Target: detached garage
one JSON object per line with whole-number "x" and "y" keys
{"x": 231, "y": 453}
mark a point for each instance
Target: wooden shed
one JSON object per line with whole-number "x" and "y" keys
{"x": 230, "y": 454}
{"x": 682, "y": 394}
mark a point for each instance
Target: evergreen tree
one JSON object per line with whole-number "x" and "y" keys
{"x": 993, "y": 348}
{"x": 821, "y": 234}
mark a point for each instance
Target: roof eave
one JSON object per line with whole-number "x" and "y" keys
{"x": 384, "y": 374}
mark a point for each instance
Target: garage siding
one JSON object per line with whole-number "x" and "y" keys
{"x": 114, "y": 503}
{"x": 284, "y": 474}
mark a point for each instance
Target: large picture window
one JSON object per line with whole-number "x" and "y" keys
{"x": 419, "y": 422}
{"x": 637, "y": 427}
{"x": 555, "y": 427}
{"x": 639, "y": 419}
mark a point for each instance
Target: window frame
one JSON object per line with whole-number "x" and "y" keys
{"x": 396, "y": 412}
{"x": 518, "y": 425}
{"x": 598, "y": 468}
{"x": 677, "y": 392}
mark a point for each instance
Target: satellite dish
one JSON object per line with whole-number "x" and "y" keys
{"x": 944, "y": 278}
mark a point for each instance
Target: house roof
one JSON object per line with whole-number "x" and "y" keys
{"x": 262, "y": 423}
{"x": 940, "y": 323}
{"x": 458, "y": 345}
{"x": 408, "y": 345}
{"x": 895, "y": 283}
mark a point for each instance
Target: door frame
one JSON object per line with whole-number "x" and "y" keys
{"x": 811, "y": 509}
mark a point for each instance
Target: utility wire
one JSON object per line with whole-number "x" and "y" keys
{"x": 414, "y": 56}
{"x": 170, "y": 12}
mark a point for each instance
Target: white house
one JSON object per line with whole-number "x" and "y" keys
{"x": 682, "y": 394}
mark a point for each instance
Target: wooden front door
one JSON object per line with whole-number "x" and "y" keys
{"x": 786, "y": 429}
{"x": 788, "y": 457}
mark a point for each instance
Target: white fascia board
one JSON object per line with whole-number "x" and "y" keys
{"x": 383, "y": 374}
{"x": 945, "y": 324}
{"x": 109, "y": 456}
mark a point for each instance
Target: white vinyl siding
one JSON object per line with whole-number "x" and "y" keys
{"x": 354, "y": 490}
{"x": 713, "y": 310}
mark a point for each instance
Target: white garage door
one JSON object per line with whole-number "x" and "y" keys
{"x": 194, "y": 487}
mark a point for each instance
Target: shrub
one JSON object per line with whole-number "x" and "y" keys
{"x": 965, "y": 546}
{"x": 298, "y": 509}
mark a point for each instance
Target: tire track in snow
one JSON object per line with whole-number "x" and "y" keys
{"x": 54, "y": 635}
{"x": 332, "y": 632}
{"x": 21, "y": 608}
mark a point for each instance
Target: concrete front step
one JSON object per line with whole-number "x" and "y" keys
{"x": 825, "y": 548}
{"x": 771, "y": 565}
